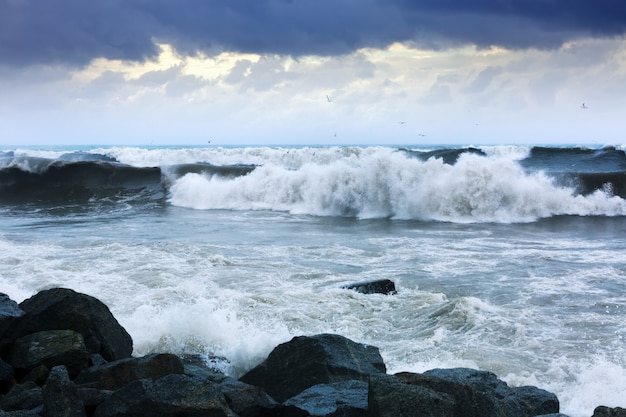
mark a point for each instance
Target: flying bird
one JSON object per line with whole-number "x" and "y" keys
{"x": 328, "y": 99}
{"x": 584, "y": 106}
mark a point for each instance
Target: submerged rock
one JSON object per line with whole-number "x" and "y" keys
{"x": 380, "y": 286}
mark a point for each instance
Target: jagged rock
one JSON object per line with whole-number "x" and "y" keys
{"x": 50, "y": 348}
{"x": 22, "y": 397}
{"x": 340, "y": 399}
{"x": 171, "y": 395}
{"x": 65, "y": 309}
{"x": 38, "y": 375}
{"x": 6, "y": 377}
{"x": 9, "y": 310}
{"x": 92, "y": 397}
{"x": 114, "y": 375}
{"x": 603, "y": 411}
{"x": 488, "y": 392}
{"x": 380, "y": 286}
{"x": 247, "y": 400}
{"x": 196, "y": 365}
{"x": 305, "y": 361}
{"x": 60, "y": 395}
{"x": 389, "y": 396}
{"x": 472, "y": 393}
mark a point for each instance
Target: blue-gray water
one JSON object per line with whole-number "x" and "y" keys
{"x": 508, "y": 259}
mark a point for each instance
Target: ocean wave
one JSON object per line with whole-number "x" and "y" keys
{"x": 458, "y": 184}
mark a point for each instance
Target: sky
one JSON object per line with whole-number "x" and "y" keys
{"x": 293, "y": 72}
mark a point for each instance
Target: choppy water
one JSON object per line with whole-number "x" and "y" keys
{"x": 508, "y": 259}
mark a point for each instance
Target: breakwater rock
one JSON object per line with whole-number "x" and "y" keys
{"x": 63, "y": 353}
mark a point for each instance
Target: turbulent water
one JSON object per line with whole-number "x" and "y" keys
{"x": 510, "y": 259}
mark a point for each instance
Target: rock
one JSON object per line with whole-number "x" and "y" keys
{"x": 380, "y": 286}
{"x": 305, "y": 361}
{"x": 603, "y": 411}
{"x": 114, "y": 375}
{"x": 60, "y": 396}
{"x": 389, "y": 396}
{"x": 340, "y": 399}
{"x": 6, "y": 377}
{"x": 50, "y": 348}
{"x": 172, "y": 395}
{"x": 22, "y": 397}
{"x": 92, "y": 397}
{"x": 37, "y": 412}
{"x": 38, "y": 375}
{"x": 247, "y": 400}
{"x": 482, "y": 394}
{"x": 9, "y": 310}
{"x": 64, "y": 309}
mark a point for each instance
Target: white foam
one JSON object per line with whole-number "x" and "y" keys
{"x": 385, "y": 184}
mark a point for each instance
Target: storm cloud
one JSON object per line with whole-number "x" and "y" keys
{"x": 74, "y": 32}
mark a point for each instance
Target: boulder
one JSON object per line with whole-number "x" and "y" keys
{"x": 380, "y": 286}
{"x": 389, "y": 396}
{"x": 247, "y": 400}
{"x": 22, "y": 397}
{"x": 603, "y": 411}
{"x": 340, "y": 399}
{"x": 6, "y": 377}
{"x": 9, "y": 310}
{"x": 60, "y": 396}
{"x": 65, "y": 309}
{"x": 481, "y": 394}
{"x": 172, "y": 395}
{"x": 50, "y": 348}
{"x": 114, "y": 375}
{"x": 305, "y": 361}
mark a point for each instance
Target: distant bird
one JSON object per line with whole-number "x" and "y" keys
{"x": 584, "y": 106}
{"x": 328, "y": 99}
{"x": 402, "y": 123}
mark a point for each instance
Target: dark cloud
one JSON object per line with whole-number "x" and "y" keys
{"x": 76, "y": 31}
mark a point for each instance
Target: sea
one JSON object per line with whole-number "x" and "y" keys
{"x": 509, "y": 259}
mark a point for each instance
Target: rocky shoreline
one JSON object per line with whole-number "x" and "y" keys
{"x": 62, "y": 353}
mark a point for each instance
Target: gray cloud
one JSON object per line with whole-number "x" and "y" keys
{"x": 73, "y": 32}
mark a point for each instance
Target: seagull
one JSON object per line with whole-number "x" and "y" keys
{"x": 328, "y": 99}
{"x": 584, "y": 106}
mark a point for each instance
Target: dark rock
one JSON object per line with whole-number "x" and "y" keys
{"x": 482, "y": 394}
{"x": 60, "y": 396}
{"x": 389, "y": 396}
{"x": 63, "y": 309}
{"x": 114, "y": 375}
{"x": 603, "y": 411}
{"x": 380, "y": 286}
{"x": 96, "y": 359}
{"x": 50, "y": 348}
{"x": 305, "y": 361}
{"x": 9, "y": 310}
{"x": 247, "y": 400}
{"x": 37, "y": 412}
{"x": 6, "y": 377}
{"x": 92, "y": 397}
{"x": 553, "y": 415}
{"x": 22, "y": 397}
{"x": 38, "y": 375}
{"x": 172, "y": 395}
{"x": 340, "y": 399}
{"x": 196, "y": 365}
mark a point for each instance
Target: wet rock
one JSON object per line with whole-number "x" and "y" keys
{"x": 247, "y": 400}
{"x": 50, "y": 348}
{"x": 389, "y": 396}
{"x": 305, "y": 361}
{"x": 380, "y": 286}
{"x": 172, "y": 395}
{"x": 114, "y": 375}
{"x": 6, "y": 377}
{"x": 340, "y": 399}
{"x": 65, "y": 309}
{"x": 22, "y": 397}
{"x": 9, "y": 310}
{"x": 60, "y": 396}
{"x": 603, "y": 411}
